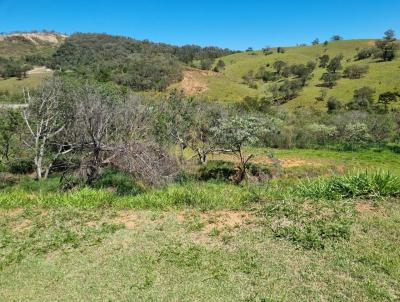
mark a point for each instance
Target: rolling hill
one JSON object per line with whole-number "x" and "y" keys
{"x": 228, "y": 85}
{"x": 106, "y": 57}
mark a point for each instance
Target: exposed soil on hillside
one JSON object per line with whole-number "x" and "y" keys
{"x": 192, "y": 84}
{"x": 37, "y": 38}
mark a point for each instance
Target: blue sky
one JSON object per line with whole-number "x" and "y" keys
{"x": 234, "y": 24}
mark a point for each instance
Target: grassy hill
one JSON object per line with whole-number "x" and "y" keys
{"x": 229, "y": 85}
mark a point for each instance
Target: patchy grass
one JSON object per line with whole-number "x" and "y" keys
{"x": 70, "y": 254}
{"x": 331, "y": 238}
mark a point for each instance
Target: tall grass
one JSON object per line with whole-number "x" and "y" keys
{"x": 360, "y": 184}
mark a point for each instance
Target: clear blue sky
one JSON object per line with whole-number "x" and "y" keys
{"x": 234, "y": 24}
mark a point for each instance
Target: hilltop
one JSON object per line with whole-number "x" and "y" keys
{"x": 229, "y": 86}
{"x": 18, "y": 44}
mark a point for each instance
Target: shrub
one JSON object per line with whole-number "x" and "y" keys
{"x": 22, "y": 166}
{"x": 366, "y": 53}
{"x": 355, "y": 71}
{"x": 224, "y": 170}
{"x": 122, "y": 182}
{"x": 217, "y": 169}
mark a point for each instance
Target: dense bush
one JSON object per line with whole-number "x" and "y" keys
{"x": 355, "y": 71}
{"x": 224, "y": 170}
{"x": 217, "y": 169}
{"x": 123, "y": 183}
{"x": 21, "y": 166}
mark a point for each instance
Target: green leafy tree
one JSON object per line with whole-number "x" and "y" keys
{"x": 279, "y": 65}
{"x": 323, "y": 61}
{"x": 336, "y": 38}
{"x": 387, "y": 98}
{"x": 315, "y": 42}
{"x": 363, "y": 99}
{"x": 329, "y": 79}
{"x": 387, "y": 47}
{"x": 233, "y": 134}
{"x": 335, "y": 64}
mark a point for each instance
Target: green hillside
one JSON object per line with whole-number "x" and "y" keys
{"x": 229, "y": 85}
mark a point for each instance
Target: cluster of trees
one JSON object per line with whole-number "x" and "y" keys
{"x": 384, "y": 49}
{"x": 140, "y": 65}
{"x": 364, "y": 100}
{"x": 295, "y": 77}
{"x": 13, "y": 68}
{"x": 344, "y": 127}
{"x": 81, "y": 128}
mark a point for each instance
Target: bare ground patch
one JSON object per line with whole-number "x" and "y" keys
{"x": 265, "y": 160}
{"x": 192, "y": 83}
{"x": 214, "y": 223}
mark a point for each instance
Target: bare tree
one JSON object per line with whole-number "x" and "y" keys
{"x": 46, "y": 118}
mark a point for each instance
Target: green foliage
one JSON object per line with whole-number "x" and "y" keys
{"x": 335, "y": 64}
{"x": 323, "y": 61}
{"x": 21, "y": 166}
{"x": 122, "y": 182}
{"x": 366, "y": 53}
{"x": 333, "y": 105}
{"x": 141, "y": 65}
{"x": 363, "y": 99}
{"x": 355, "y": 136}
{"x": 387, "y": 98}
{"x": 355, "y": 71}
{"x": 217, "y": 169}
{"x": 336, "y": 38}
{"x": 329, "y": 79}
{"x": 386, "y": 48}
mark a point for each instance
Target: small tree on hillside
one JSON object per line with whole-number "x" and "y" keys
{"x": 315, "y": 42}
{"x": 323, "y": 61}
{"x": 363, "y": 99}
{"x": 355, "y": 71}
{"x": 279, "y": 65}
{"x": 220, "y": 66}
{"x": 387, "y": 98}
{"x": 336, "y": 38}
{"x": 335, "y": 64}
{"x": 386, "y": 48}
{"x": 329, "y": 79}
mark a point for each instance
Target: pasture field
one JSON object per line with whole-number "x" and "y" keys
{"x": 228, "y": 86}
